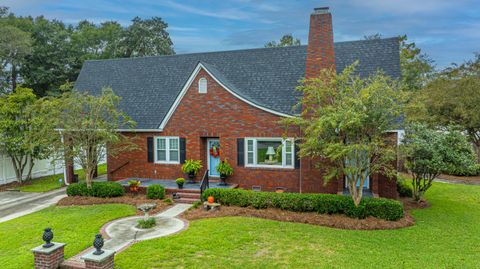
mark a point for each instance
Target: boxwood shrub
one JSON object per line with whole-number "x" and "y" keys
{"x": 155, "y": 192}
{"x": 99, "y": 189}
{"x": 321, "y": 203}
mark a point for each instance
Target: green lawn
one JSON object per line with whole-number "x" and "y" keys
{"x": 74, "y": 225}
{"x": 49, "y": 183}
{"x": 447, "y": 235}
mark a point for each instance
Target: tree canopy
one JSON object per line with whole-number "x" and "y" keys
{"x": 285, "y": 41}
{"x": 51, "y": 52}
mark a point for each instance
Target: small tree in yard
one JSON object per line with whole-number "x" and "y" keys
{"x": 91, "y": 123}
{"x": 429, "y": 152}
{"x": 26, "y": 130}
{"x": 344, "y": 120}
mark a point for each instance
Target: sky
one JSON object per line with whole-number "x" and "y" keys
{"x": 447, "y": 31}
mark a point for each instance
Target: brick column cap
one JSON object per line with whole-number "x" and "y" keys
{"x": 98, "y": 258}
{"x": 42, "y": 250}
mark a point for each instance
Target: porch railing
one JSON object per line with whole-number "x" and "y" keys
{"x": 204, "y": 184}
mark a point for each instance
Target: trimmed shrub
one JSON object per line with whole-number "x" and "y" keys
{"x": 99, "y": 189}
{"x": 382, "y": 208}
{"x": 403, "y": 188}
{"x": 321, "y": 203}
{"x": 155, "y": 192}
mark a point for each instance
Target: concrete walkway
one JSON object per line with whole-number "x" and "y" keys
{"x": 17, "y": 204}
{"x": 122, "y": 232}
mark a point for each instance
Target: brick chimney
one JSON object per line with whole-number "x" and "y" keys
{"x": 320, "y": 52}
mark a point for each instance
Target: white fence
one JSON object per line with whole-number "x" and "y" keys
{"x": 41, "y": 168}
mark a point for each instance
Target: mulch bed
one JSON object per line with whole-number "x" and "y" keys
{"x": 129, "y": 199}
{"x": 334, "y": 221}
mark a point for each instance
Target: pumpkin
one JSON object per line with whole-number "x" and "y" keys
{"x": 210, "y": 199}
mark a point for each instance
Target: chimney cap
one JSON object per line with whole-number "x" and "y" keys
{"x": 321, "y": 10}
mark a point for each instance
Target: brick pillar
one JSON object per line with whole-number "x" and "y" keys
{"x": 102, "y": 261}
{"x": 48, "y": 258}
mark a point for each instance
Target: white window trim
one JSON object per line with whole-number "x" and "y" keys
{"x": 284, "y": 159}
{"x": 167, "y": 149}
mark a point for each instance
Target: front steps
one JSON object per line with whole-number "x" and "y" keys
{"x": 187, "y": 197}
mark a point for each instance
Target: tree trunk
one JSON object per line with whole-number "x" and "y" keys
{"x": 30, "y": 168}
{"x": 14, "y": 77}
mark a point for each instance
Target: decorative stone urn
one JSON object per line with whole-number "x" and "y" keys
{"x": 98, "y": 244}
{"x": 47, "y": 237}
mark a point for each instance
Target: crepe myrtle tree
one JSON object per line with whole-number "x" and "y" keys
{"x": 89, "y": 124}
{"x": 26, "y": 130}
{"x": 429, "y": 152}
{"x": 344, "y": 120}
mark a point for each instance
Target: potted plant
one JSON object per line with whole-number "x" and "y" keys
{"x": 191, "y": 167}
{"x": 225, "y": 170}
{"x": 134, "y": 185}
{"x": 180, "y": 181}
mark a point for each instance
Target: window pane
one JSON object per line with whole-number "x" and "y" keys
{"x": 250, "y": 158}
{"x": 161, "y": 155}
{"x": 288, "y": 146}
{"x": 173, "y": 143}
{"x": 174, "y": 155}
{"x": 269, "y": 152}
{"x": 288, "y": 159}
{"x": 161, "y": 143}
{"x": 250, "y": 145}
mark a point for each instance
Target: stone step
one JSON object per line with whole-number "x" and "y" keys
{"x": 187, "y": 200}
{"x": 188, "y": 195}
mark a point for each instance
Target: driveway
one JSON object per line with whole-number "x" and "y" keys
{"x": 17, "y": 204}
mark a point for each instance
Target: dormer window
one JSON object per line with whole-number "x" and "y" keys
{"x": 202, "y": 85}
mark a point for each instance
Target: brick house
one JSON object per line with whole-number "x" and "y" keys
{"x": 186, "y": 104}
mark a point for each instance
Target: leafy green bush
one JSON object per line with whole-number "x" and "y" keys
{"x": 403, "y": 188}
{"x": 99, "y": 189}
{"x": 321, "y": 203}
{"x": 168, "y": 201}
{"x": 473, "y": 170}
{"x": 155, "y": 192}
{"x": 146, "y": 224}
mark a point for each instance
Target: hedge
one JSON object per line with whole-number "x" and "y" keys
{"x": 99, "y": 189}
{"x": 321, "y": 203}
{"x": 155, "y": 192}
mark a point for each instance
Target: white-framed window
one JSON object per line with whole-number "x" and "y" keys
{"x": 167, "y": 149}
{"x": 202, "y": 85}
{"x": 269, "y": 152}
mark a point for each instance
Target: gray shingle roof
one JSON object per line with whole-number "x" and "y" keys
{"x": 267, "y": 76}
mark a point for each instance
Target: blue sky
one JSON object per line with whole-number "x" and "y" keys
{"x": 448, "y": 31}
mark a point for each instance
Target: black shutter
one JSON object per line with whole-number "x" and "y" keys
{"x": 240, "y": 152}
{"x": 183, "y": 150}
{"x": 297, "y": 157}
{"x": 150, "y": 149}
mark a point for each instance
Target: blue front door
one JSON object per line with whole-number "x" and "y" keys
{"x": 213, "y": 151}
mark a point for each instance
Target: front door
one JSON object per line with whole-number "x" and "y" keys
{"x": 213, "y": 156}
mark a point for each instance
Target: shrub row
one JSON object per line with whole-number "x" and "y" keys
{"x": 155, "y": 192}
{"x": 99, "y": 189}
{"x": 321, "y": 203}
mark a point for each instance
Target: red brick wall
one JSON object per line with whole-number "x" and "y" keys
{"x": 215, "y": 114}
{"x": 320, "y": 52}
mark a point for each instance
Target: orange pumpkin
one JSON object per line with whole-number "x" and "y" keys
{"x": 210, "y": 199}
